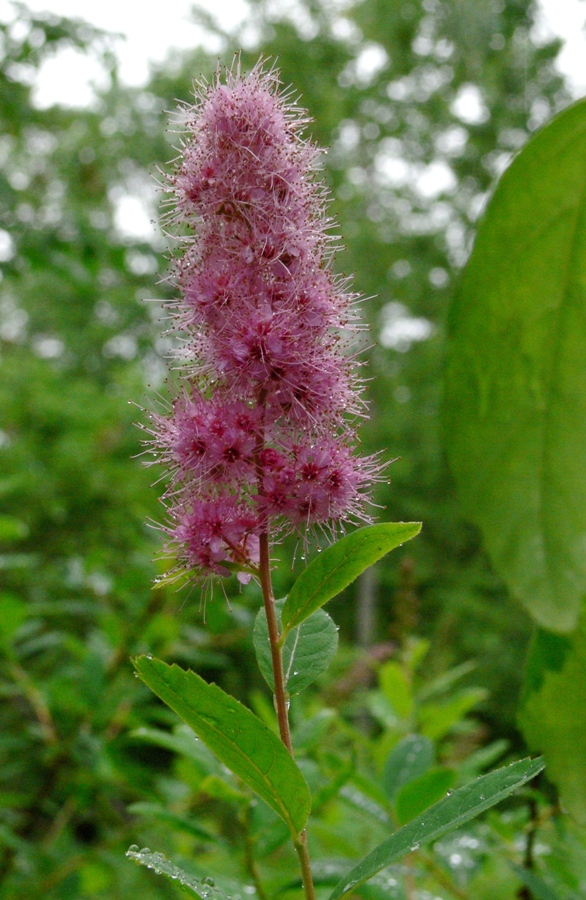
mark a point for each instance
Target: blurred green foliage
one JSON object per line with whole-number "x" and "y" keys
{"x": 422, "y": 105}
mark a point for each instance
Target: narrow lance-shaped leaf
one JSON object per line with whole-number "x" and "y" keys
{"x": 158, "y": 863}
{"x": 337, "y": 567}
{"x": 451, "y": 812}
{"x": 515, "y": 405}
{"x": 307, "y": 652}
{"x": 420, "y": 793}
{"x": 237, "y": 737}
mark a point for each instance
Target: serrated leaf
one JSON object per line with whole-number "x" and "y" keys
{"x": 464, "y": 804}
{"x": 552, "y": 718}
{"x": 337, "y": 567}
{"x": 419, "y": 794}
{"x": 514, "y": 404}
{"x": 307, "y": 651}
{"x": 158, "y": 863}
{"x": 409, "y": 759}
{"x": 235, "y": 735}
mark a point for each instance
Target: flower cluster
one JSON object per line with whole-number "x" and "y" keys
{"x": 262, "y": 433}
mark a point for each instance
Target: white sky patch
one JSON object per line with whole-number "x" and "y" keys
{"x": 370, "y": 61}
{"x": 77, "y": 74}
{"x": 392, "y": 170}
{"x": 469, "y": 105}
{"x": 122, "y": 345}
{"x": 452, "y": 141}
{"x": 152, "y": 30}
{"x": 48, "y": 347}
{"x": 132, "y": 217}
{"x": 148, "y": 32}
{"x": 566, "y": 19}
{"x": 435, "y": 179}
{"x": 13, "y": 321}
{"x": 400, "y": 329}
{"x": 6, "y": 246}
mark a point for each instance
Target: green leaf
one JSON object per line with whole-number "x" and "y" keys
{"x": 183, "y": 742}
{"x": 160, "y": 814}
{"x": 221, "y": 789}
{"x": 552, "y": 719}
{"x": 538, "y": 887}
{"x": 409, "y": 759}
{"x": 438, "y": 718}
{"x": 237, "y": 737}
{"x": 338, "y": 566}
{"x": 13, "y": 612}
{"x": 396, "y": 687}
{"x": 481, "y": 759}
{"x": 444, "y": 682}
{"x": 12, "y": 529}
{"x": 202, "y": 887}
{"x": 514, "y": 405}
{"x": 451, "y": 812}
{"x": 547, "y": 652}
{"x": 420, "y": 793}
{"x": 307, "y": 651}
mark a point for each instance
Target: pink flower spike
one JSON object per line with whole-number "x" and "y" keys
{"x": 261, "y": 437}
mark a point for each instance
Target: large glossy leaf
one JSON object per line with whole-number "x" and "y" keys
{"x": 451, "y": 812}
{"x": 515, "y": 405}
{"x": 553, "y": 718}
{"x": 237, "y": 737}
{"x": 338, "y": 566}
{"x": 307, "y": 651}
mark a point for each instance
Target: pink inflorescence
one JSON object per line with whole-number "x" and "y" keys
{"x": 262, "y": 432}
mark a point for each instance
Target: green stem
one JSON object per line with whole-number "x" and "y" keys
{"x": 281, "y": 697}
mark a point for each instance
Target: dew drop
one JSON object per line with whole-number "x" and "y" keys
{"x": 414, "y": 847}
{"x": 133, "y": 848}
